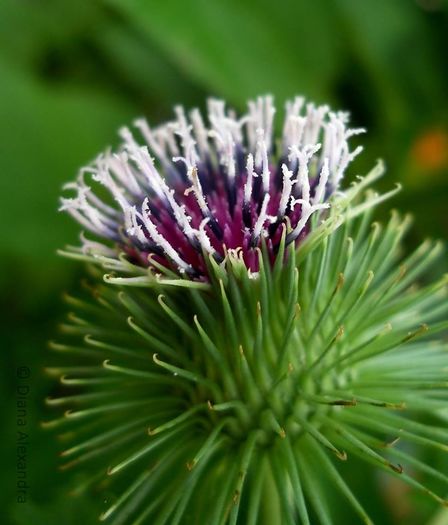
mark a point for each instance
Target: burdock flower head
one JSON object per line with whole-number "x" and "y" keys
{"x": 253, "y": 329}
{"x": 191, "y": 192}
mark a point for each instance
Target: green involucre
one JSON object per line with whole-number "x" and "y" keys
{"x": 235, "y": 401}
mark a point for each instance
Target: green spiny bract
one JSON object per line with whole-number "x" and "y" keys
{"x": 195, "y": 403}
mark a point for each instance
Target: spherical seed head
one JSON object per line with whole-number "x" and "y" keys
{"x": 204, "y": 393}
{"x": 189, "y": 190}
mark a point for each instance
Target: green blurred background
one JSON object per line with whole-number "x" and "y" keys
{"x": 73, "y": 71}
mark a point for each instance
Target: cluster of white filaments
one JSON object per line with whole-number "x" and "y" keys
{"x": 196, "y": 189}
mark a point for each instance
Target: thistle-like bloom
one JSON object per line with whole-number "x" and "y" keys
{"x": 204, "y": 381}
{"x": 193, "y": 190}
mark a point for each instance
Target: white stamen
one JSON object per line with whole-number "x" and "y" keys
{"x": 336, "y": 145}
{"x": 203, "y": 237}
{"x": 262, "y": 218}
{"x": 120, "y": 167}
{"x": 304, "y": 157}
{"x": 250, "y": 175}
{"x": 265, "y": 174}
{"x": 166, "y": 135}
{"x": 286, "y": 190}
{"x": 261, "y": 116}
{"x": 95, "y": 248}
{"x": 315, "y": 118}
{"x": 196, "y": 188}
{"x": 143, "y": 160}
{"x": 160, "y": 239}
{"x": 80, "y": 185}
{"x": 323, "y": 179}
{"x": 346, "y": 158}
{"x": 200, "y": 131}
{"x": 226, "y": 132}
{"x": 261, "y": 159}
{"x": 294, "y": 123}
{"x": 182, "y": 218}
{"x": 132, "y": 227}
{"x": 296, "y": 130}
{"x": 306, "y": 211}
{"x": 87, "y": 215}
{"x": 183, "y": 129}
{"x": 158, "y": 150}
{"x": 102, "y": 176}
